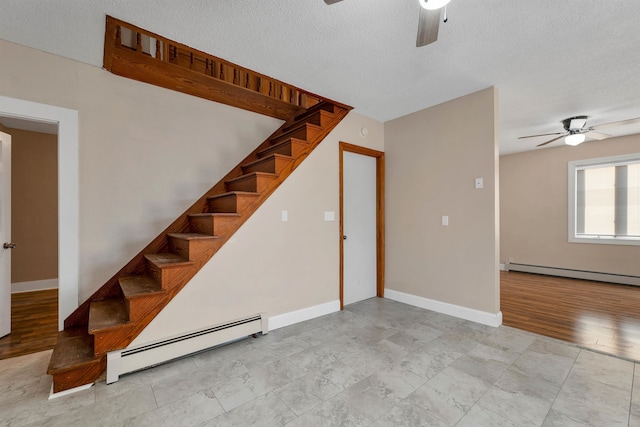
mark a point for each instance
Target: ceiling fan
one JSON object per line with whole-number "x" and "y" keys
{"x": 428, "y": 22}
{"x": 576, "y": 130}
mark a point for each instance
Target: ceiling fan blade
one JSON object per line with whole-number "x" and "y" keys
{"x": 620, "y": 123}
{"x": 331, "y": 1}
{"x": 542, "y": 134}
{"x": 597, "y": 135}
{"x": 428, "y": 24}
{"x": 551, "y": 140}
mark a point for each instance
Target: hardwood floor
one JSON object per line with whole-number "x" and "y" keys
{"x": 34, "y": 320}
{"x": 599, "y": 316}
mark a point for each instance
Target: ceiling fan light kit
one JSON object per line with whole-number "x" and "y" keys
{"x": 433, "y": 4}
{"x": 574, "y": 139}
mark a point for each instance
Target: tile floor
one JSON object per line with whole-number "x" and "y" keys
{"x": 377, "y": 363}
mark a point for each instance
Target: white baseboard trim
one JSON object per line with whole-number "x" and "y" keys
{"x": 473, "y": 315}
{"x": 53, "y": 395}
{"x": 576, "y": 274}
{"x": 503, "y": 267}
{"x": 293, "y": 317}
{"x": 36, "y": 285}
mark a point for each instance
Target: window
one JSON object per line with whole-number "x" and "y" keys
{"x": 604, "y": 200}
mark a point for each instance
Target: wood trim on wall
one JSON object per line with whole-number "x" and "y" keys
{"x": 379, "y": 156}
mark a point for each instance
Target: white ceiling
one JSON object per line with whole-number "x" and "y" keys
{"x": 549, "y": 59}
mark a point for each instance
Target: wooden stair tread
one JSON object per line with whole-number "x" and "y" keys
{"x": 214, "y": 214}
{"x": 299, "y": 123}
{"x": 191, "y": 236}
{"x": 253, "y": 181}
{"x": 267, "y": 158}
{"x": 231, "y": 193}
{"x": 295, "y": 129}
{"x": 137, "y": 286}
{"x": 167, "y": 260}
{"x": 326, "y": 106}
{"x": 107, "y": 314}
{"x": 282, "y": 144}
{"x": 251, "y": 175}
{"x": 74, "y": 348}
{"x": 318, "y": 117}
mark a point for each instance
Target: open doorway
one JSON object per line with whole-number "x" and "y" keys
{"x": 33, "y": 203}
{"x": 68, "y": 191}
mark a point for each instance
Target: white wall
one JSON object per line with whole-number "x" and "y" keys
{"x": 146, "y": 153}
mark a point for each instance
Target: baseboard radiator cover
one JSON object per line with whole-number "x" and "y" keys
{"x": 575, "y": 274}
{"x": 134, "y": 359}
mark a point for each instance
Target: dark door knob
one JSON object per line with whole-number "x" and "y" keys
{"x": 9, "y": 245}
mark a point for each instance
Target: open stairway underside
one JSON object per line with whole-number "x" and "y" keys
{"x": 119, "y": 310}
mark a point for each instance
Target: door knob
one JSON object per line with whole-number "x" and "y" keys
{"x": 344, "y": 237}
{"x": 9, "y": 245}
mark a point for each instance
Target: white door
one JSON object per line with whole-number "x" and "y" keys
{"x": 5, "y": 234}
{"x": 359, "y": 216}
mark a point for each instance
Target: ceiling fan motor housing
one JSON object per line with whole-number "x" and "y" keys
{"x": 574, "y": 124}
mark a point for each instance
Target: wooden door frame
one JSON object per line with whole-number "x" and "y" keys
{"x": 379, "y": 156}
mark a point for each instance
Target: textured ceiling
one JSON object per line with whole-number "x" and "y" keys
{"x": 549, "y": 59}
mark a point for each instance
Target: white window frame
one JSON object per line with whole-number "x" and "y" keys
{"x": 602, "y": 161}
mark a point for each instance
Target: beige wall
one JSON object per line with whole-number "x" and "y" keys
{"x": 433, "y": 157}
{"x": 534, "y": 205}
{"x": 269, "y": 265}
{"x": 34, "y": 206}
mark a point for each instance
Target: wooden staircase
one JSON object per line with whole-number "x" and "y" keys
{"x": 115, "y": 314}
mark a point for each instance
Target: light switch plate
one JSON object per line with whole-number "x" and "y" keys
{"x": 445, "y": 220}
{"x": 479, "y": 183}
{"x": 285, "y": 216}
{"x": 329, "y": 216}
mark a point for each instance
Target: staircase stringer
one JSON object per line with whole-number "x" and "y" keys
{"x": 137, "y": 264}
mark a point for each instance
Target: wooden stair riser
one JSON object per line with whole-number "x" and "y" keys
{"x": 231, "y": 203}
{"x": 139, "y": 306}
{"x": 79, "y": 375}
{"x": 319, "y": 118}
{"x": 107, "y": 340}
{"x": 291, "y": 147}
{"x": 140, "y": 294}
{"x": 212, "y": 224}
{"x": 328, "y": 107}
{"x": 105, "y": 319}
{"x": 272, "y": 164}
{"x": 306, "y": 132}
{"x": 169, "y": 277}
{"x": 193, "y": 250}
{"x": 115, "y": 315}
{"x": 253, "y": 183}
{"x": 73, "y": 362}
